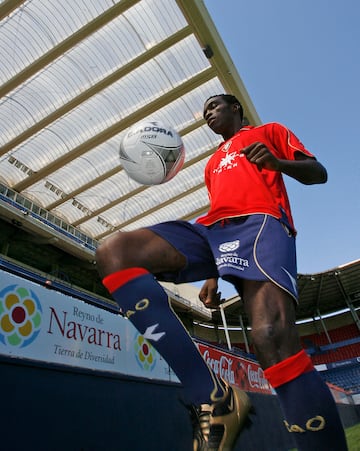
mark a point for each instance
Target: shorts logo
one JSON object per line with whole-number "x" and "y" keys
{"x": 230, "y": 246}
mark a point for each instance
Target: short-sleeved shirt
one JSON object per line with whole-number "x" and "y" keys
{"x": 237, "y": 187}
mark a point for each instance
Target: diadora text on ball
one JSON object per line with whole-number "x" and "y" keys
{"x": 154, "y": 129}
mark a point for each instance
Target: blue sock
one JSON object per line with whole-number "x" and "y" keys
{"x": 145, "y": 303}
{"x": 309, "y": 408}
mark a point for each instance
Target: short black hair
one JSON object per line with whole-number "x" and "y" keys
{"x": 230, "y": 100}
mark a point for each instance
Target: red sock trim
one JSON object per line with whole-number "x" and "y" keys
{"x": 289, "y": 369}
{"x": 114, "y": 281}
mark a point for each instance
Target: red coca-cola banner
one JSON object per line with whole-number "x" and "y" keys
{"x": 236, "y": 370}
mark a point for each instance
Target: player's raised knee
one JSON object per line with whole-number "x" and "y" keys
{"x": 109, "y": 254}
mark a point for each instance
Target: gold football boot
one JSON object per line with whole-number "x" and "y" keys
{"x": 216, "y": 426}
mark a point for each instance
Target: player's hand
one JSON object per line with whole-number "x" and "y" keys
{"x": 257, "y": 153}
{"x": 209, "y": 294}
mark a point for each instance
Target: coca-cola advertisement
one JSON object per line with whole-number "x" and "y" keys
{"x": 236, "y": 370}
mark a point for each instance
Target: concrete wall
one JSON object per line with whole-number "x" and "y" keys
{"x": 53, "y": 408}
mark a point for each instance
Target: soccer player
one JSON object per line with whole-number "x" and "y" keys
{"x": 247, "y": 238}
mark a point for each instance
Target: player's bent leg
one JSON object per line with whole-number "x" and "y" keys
{"x": 271, "y": 313}
{"x": 125, "y": 262}
{"x": 140, "y": 248}
{"x": 309, "y": 409}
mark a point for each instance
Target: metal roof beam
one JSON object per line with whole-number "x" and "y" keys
{"x": 194, "y": 214}
{"x": 198, "y": 17}
{"x": 117, "y": 169}
{"x": 152, "y": 210}
{"x": 66, "y": 45}
{"x": 96, "y": 88}
{"x": 133, "y": 192}
{"x": 318, "y": 295}
{"x": 347, "y": 300}
{"x": 116, "y": 128}
{"x": 84, "y": 187}
{"x": 8, "y": 6}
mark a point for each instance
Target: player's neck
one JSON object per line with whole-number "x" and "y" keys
{"x": 230, "y": 133}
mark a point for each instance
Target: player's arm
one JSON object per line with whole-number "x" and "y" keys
{"x": 305, "y": 169}
{"x": 209, "y": 294}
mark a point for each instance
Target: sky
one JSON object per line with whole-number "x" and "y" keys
{"x": 300, "y": 63}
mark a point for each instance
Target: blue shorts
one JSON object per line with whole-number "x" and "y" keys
{"x": 256, "y": 247}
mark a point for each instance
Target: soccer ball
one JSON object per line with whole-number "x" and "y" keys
{"x": 151, "y": 153}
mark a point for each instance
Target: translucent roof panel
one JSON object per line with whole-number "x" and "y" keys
{"x": 84, "y": 66}
{"x": 146, "y": 83}
{"x": 76, "y": 75}
{"x": 36, "y": 27}
{"x": 156, "y": 195}
{"x": 178, "y": 209}
{"x": 92, "y": 165}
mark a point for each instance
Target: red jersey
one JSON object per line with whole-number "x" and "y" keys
{"x": 236, "y": 187}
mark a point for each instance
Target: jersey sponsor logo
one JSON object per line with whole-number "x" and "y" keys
{"x": 229, "y": 161}
{"x": 229, "y": 246}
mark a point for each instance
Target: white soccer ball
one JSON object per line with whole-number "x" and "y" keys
{"x": 151, "y": 153}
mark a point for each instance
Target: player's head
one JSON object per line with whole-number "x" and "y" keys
{"x": 230, "y": 100}
{"x": 223, "y": 114}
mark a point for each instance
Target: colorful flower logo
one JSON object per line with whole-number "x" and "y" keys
{"x": 20, "y": 316}
{"x": 145, "y": 353}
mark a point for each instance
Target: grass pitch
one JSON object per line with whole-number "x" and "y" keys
{"x": 353, "y": 437}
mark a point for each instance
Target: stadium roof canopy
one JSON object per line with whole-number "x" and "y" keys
{"x": 76, "y": 75}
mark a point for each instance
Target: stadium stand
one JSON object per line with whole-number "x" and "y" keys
{"x": 41, "y": 374}
{"x": 338, "y": 335}
{"x": 344, "y": 344}
{"x": 347, "y": 377}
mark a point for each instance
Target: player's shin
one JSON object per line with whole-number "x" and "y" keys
{"x": 145, "y": 303}
{"x": 219, "y": 410}
{"x": 314, "y": 421}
